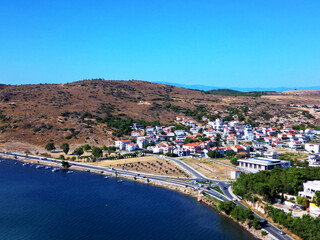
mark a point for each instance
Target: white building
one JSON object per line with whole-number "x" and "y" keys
{"x": 132, "y": 147}
{"x": 121, "y": 144}
{"x": 180, "y": 135}
{"x": 260, "y": 163}
{"x": 309, "y": 189}
{"x": 257, "y": 145}
{"x": 235, "y": 173}
{"x": 314, "y": 159}
{"x": 313, "y": 148}
{"x": 272, "y": 154}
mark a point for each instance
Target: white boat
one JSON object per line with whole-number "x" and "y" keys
{"x": 25, "y": 164}
{"x": 39, "y": 166}
{"x": 119, "y": 181}
{"x": 47, "y": 167}
{"x": 69, "y": 172}
{"x": 55, "y": 169}
{"x": 106, "y": 177}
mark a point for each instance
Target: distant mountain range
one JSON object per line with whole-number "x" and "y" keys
{"x": 207, "y": 88}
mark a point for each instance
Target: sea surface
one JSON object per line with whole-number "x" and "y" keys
{"x": 37, "y": 204}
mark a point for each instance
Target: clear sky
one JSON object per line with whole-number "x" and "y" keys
{"x": 224, "y": 43}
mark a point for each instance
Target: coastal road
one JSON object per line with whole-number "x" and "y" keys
{"x": 267, "y": 226}
{"x": 167, "y": 180}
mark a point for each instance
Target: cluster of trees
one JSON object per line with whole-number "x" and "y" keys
{"x": 230, "y": 92}
{"x": 97, "y": 152}
{"x": 274, "y": 183}
{"x": 304, "y": 127}
{"x": 51, "y": 147}
{"x": 197, "y": 113}
{"x": 239, "y": 213}
{"x": 215, "y": 154}
{"x": 190, "y": 140}
{"x": 198, "y": 138}
{"x": 307, "y": 115}
{"x": 122, "y": 125}
{"x": 4, "y": 118}
{"x": 306, "y": 227}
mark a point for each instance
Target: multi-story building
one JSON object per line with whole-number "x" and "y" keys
{"x": 121, "y": 144}
{"x": 309, "y": 189}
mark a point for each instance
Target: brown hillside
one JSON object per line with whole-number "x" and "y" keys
{"x": 32, "y": 113}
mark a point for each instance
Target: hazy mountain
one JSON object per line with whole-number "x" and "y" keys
{"x": 207, "y": 88}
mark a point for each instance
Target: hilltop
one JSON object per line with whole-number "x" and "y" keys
{"x": 93, "y": 110}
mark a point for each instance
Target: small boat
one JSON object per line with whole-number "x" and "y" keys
{"x": 16, "y": 163}
{"x": 47, "y": 167}
{"x": 120, "y": 181}
{"x": 55, "y": 169}
{"x": 39, "y": 166}
{"x": 69, "y": 172}
{"x": 25, "y": 164}
{"x": 106, "y": 177}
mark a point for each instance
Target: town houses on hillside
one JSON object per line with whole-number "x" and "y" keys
{"x": 242, "y": 140}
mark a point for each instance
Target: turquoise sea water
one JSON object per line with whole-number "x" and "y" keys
{"x": 38, "y": 204}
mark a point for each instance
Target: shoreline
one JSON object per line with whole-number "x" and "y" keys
{"x": 174, "y": 187}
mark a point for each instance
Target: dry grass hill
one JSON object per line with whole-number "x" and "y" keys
{"x": 90, "y": 110}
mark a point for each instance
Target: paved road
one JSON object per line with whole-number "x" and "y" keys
{"x": 267, "y": 226}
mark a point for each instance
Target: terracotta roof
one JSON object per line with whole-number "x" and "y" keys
{"x": 196, "y": 144}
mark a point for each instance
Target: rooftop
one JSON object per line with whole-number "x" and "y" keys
{"x": 261, "y": 161}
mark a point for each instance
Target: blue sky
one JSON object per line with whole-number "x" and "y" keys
{"x": 218, "y": 43}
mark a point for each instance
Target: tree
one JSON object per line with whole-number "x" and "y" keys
{"x": 50, "y": 147}
{"x": 212, "y": 154}
{"x": 78, "y": 151}
{"x": 65, "y": 147}
{"x": 104, "y": 148}
{"x": 149, "y": 144}
{"x": 317, "y": 199}
{"x": 65, "y": 164}
{"x": 234, "y": 160}
{"x": 97, "y": 152}
{"x": 86, "y": 147}
{"x": 190, "y": 140}
{"x": 217, "y": 139}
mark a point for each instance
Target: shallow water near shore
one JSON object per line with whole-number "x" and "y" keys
{"x": 39, "y": 204}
